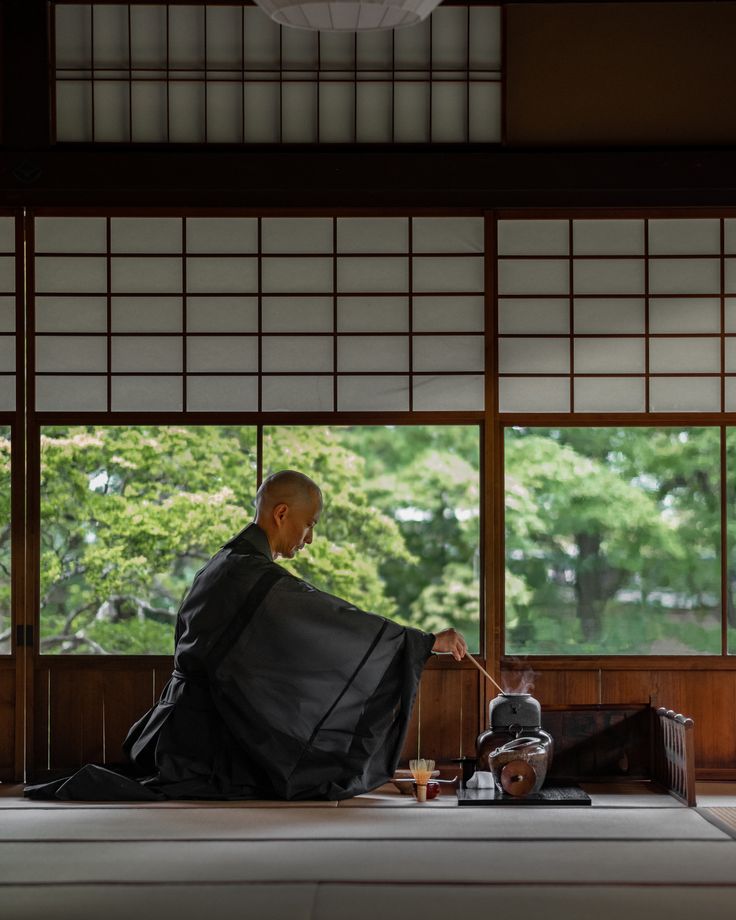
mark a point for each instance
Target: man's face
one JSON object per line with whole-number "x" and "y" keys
{"x": 296, "y": 525}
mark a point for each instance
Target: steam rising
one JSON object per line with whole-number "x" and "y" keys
{"x": 518, "y": 681}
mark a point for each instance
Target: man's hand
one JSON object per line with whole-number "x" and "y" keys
{"x": 450, "y": 640}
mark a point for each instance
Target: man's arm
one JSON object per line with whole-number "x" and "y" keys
{"x": 450, "y": 640}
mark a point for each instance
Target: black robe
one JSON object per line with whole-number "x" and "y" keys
{"x": 279, "y": 691}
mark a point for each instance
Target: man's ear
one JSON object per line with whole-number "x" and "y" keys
{"x": 279, "y": 512}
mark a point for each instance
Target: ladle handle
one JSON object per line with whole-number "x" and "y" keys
{"x": 483, "y": 671}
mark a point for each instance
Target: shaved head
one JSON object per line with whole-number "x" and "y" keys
{"x": 287, "y": 487}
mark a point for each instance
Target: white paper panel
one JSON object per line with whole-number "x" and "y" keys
{"x": 294, "y": 275}
{"x": 609, "y": 315}
{"x": 608, "y": 276}
{"x": 690, "y": 314}
{"x": 224, "y": 112}
{"x": 230, "y": 275}
{"x": 224, "y": 36}
{"x": 7, "y": 314}
{"x": 186, "y": 112}
{"x": 411, "y": 111}
{"x": 533, "y": 356}
{"x": 542, "y": 315}
{"x": 297, "y": 314}
{"x": 610, "y": 394}
{"x": 7, "y": 394}
{"x": 73, "y": 111}
{"x": 366, "y": 394}
{"x": 485, "y": 37}
{"x": 70, "y": 274}
{"x": 533, "y": 237}
{"x": 684, "y": 237}
{"x": 447, "y": 234}
{"x": 448, "y": 274}
{"x": 296, "y": 353}
{"x": 450, "y": 38}
{"x": 7, "y": 234}
{"x": 608, "y": 237}
{"x": 484, "y": 109}
{"x": 533, "y": 394}
{"x": 730, "y": 355}
{"x": 730, "y": 316}
{"x": 70, "y": 234}
{"x": 71, "y": 314}
{"x": 729, "y": 235}
{"x": 296, "y": 234}
{"x": 299, "y": 111}
{"x": 533, "y": 276}
{"x": 261, "y": 39}
{"x": 186, "y": 36}
{"x": 336, "y": 112}
{"x": 70, "y": 394}
{"x": 7, "y": 274}
{"x": 147, "y": 314}
{"x": 449, "y": 314}
{"x": 730, "y": 275}
{"x": 222, "y": 234}
{"x": 262, "y": 113}
{"x": 148, "y": 35}
{"x": 372, "y": 353}
{"x": 412, "y": 48}
{"x": 112, "y": 110}
{"x": 372, "y": 275}
{"x": 145, "y": 234}
{"x": 609, "y": 356}
{"x": 374, "y": 49}
{"x": 373, "y": 234}
{"x": 148, "y": 100}
{"x": 372, "y": 314}
{"x": 297, "y": 394}
{"x": 150, "y": 276}
{"x": 447, "y": 392}
{"x": 73, "y": 36}
{"x": 151, "y": 354}
{"x": 219, "y": 354}
{"x": 685, "y": 394}
{"x": 147, "y": 394}
{"x": 300, "y": 49}
{"x": 684, "y": 276}
{"x": 222, "y": 394}
{"x": 687, "y": 355}
{"x": 337, "y": 50}
{"x": 449, "y": 112}
{"x": 448, "y": 353}
{"x": 7, "y": 353}
{"x": 222, "y": 314}
{"x": 374, "y": 120}
{"x": 110, "y": 26}
{"x": 71, "y": 353}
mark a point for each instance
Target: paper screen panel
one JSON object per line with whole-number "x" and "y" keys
{"x": 608, "y": 237}
{"x": 8, "y": 341}
{"x": 685, "y": 394}
{"x": 533, "y": 237}
{"x": 688, "y": 314}
{"x": 610, "y": 394}
{"x": 685, "y": 355}
{"x": 533, "y": 394}
{"x": 610, "y": 355}
{"x": 228, "y": 74}
{"x": 681, "y": 236}
{"x": 152, "y": 300}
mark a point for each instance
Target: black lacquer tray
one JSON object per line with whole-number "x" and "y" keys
{"x": 548, "y": 795}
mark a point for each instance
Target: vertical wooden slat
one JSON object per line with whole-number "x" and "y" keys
{"x": 128, "y": 695}
{"x": 470, "y": 722}
{"x": 7, "y": 723}
{"x": 75, "y": 732}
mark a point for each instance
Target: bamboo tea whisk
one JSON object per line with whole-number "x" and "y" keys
{"x": 421, "y": 770}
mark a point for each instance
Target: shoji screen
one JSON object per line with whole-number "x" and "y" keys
{"x": 162, "y": 73}
{"x": 617, "y": 315}
{"x": 8, "y": 344}
{"x": 267, "y": 314}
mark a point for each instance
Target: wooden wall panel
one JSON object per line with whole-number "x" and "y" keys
{"x": 7, "y": 723}
{"x": 620, "y": 74}
{"x": 708, "y": 697}
{"x": 128, "y": 695}
{"x": 40, "y": 724}
{"x": 75, "y": 718}
{"x": 559, "y": 688}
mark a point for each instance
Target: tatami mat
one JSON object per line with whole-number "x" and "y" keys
{"x": 378, "y": 861}
{"x": 367, "y": 902}
{"x": 417, "y": 823}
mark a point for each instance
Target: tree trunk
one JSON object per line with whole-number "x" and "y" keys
{"x": 596, "y": 583}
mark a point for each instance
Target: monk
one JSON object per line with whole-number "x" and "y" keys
{"x": 279, "y": 690}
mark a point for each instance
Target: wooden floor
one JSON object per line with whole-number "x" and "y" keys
{"x": 634, "y": 853}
